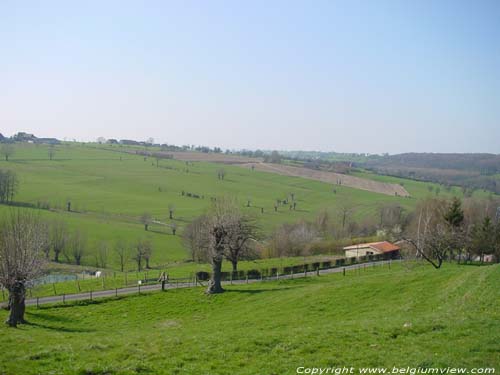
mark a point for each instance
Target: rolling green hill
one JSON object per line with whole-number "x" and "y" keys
{"x": 110, "y": 190}
{"x": 408, "y": 316}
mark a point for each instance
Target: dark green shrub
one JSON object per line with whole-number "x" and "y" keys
{"x": 326, "y": 265}
{"x": 253, "y": 274}
{"x": 298, "y": 268}
{"x": 202, "y": 275}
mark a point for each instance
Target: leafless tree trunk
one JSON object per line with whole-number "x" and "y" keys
{"x": 23, "y": 238}
{"x": 58, "y": 237}
{"x": 102, "y": 254}
{"x": 215, "y": 285}
{"x": 171, "y": 210}
{"x": 143, "y": 251}
{"x": 121, "y": 251}
{"x": 78, "y": 246}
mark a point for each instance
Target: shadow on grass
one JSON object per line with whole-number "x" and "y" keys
{"x": 87, "y": 302}
{"x": 257, "y": 291}
{"x": 157, "y": 231}
{"x": 48, "y": 317}
{"x": 58, "y": 329}
{"x": 19, "y": 204}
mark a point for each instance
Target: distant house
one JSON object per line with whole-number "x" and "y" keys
{"x": 48, "y": 141}
{"x": 24, "y": 137}
{"x": 372, "y": 248}
{"x": 112, "y": 141}
{"x": 129, "y": 142}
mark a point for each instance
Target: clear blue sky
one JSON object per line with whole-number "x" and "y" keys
{"x": 353, "y": 76}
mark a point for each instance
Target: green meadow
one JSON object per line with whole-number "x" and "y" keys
{"x": 109, "y": 190}
{"x": 408, "y": 316}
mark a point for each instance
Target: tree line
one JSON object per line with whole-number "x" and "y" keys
{"x": 8, "y": 186}
{"x": 451, "y": 230}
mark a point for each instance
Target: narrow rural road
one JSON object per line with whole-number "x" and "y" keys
{"x": 155, "y": 287}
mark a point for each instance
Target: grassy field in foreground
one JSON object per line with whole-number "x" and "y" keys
{"x": 409, "y": 315}
{"x": 110, "y": 190}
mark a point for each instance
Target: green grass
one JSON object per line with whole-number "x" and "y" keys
{"x": 114, "y": 279}
{"x": 109, "y": 195}
{"x": 412, "y": 316}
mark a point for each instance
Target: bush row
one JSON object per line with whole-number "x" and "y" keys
{"x": 299, "y": 268}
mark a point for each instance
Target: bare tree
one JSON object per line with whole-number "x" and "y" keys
{"x": 7, "y": 150}
{"x": 101, "y": 256}
{"x": 221, "y": 173}
{"x": 195, "y": 240}
{"x": 292, "y": 239}
{"x": 345, "y": 213}
{"x": 121, "y": 249}
{"x": 171, "y": 210}
{"x": 139, "y": 254}
{"x": 241, "y": 234}
{"x": 77, "y": 246}
{"x": 8, "y": 186}
{"x": 146, "y": 219}
{"x": 224, "y": 229}
{"x": 58, "y": 237}
{"x": 147, "y": 251}
{"x": 437, "y": 230}
{"x": 47, "y": 244}
{"x": 323, "y": 222}
{"x": 143, "y": 252}
{"x": 21, "y": 259}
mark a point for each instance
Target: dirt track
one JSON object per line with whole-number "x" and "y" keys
{"x": 332, "y": 178}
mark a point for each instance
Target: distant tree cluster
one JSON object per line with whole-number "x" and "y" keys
{"x": 446, "y": 230}
{"x": 275, "y": 157}
{"x": 8, "y": 186}
{"x": 471, "y": 171}
{"x": 7, "y": 150}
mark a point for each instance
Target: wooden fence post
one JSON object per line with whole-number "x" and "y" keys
{"x": 54, "y": 287}
{"x": 64, "y": 298}
{"x": 116, "y": 292}
{"x": 343, "y": 271}
{"x": 91, "y": 295}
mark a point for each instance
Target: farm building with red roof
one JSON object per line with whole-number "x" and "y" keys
{"x": 372, "y": 248}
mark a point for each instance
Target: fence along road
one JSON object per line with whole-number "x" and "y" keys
{"x": 154, "y": 287}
